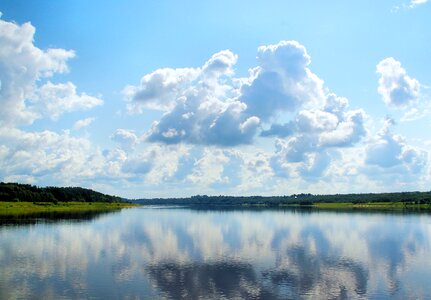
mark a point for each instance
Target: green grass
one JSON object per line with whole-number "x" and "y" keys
{"x": 23, "y": 208}
{"x": 373, "y": 205}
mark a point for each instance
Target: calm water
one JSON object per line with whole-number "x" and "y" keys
{"x": 173, "y": 253}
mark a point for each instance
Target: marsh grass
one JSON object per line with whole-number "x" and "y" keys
{"x": 373, "y": 205}
{"x": 23, "y": 208}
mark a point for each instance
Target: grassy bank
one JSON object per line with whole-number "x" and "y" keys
{"x": 23, "y": 208}
{"x": 372, "y": 205}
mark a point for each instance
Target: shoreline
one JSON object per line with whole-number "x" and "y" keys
{"x": 28, "y": 208}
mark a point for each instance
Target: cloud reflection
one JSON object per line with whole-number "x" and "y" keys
{"x": 181, "y": 253}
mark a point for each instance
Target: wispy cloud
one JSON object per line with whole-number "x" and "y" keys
{"x": 83, "y": 123}
{"x": 414, "y": 3}
{"x": 410, "y": 5}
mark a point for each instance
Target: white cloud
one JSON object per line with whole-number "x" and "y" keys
{"x": 408, "y": 5}
{"x": 55, "y": 99}
{"x": 310, "y": 141}
{"x": 83, "y": 123}
{"x": 138, "y": 165}
{"x": 46, "y": 153}
{"x": 22, "y": 67}
{"x": 26, "y": 95}
{"x": 209, "y": 168}
{"x": 205, "y": 115}
{"x": 165, "y": 160}
{"x": 61, "y": 159}
{"x": 281, "y": 82}
{"x": 220, "y": 64}
{"x": 396, "y": 87}
{"x": 389, "y": 157}
{"x": 160, "y": 89}
{"x": 385, "y": 151}
{"x": 414, "y": 3}
{"x": 212, "y": 107}
{"x": 296, "y": 158}
{"x": 348, "y": 131}
{"x": 198, "y": 103}
{"x": 126, "y": 138}
{"x": 203, "y": 108}
{"x": 315, "y": 165}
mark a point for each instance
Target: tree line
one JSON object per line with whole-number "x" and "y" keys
{"x": 30, "y": 193}
{"x": 299, "y": 199}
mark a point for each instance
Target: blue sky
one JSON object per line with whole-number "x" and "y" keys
{"x": 170, "y": 98}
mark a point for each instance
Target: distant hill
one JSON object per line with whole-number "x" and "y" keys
{"x": 300, "y": 199}
{"x": 31, "y": 193}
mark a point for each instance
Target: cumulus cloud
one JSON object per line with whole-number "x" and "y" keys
{"x": 204, "y": 111}
{"x": 138, "y": 165}
{"x": 220, "y": 64}
{"x": 396, "y": 87}
{"x": 315, "y": 165}
{"x": 209, "y": 168}
{"x": 61, "y": 159}
{"x": 297, "y": 158}
{"x": 126, "y": 138}
{"x": 26, "y": 94}
{"x": 44, "y": 153}
{"x": 349, "y": 130}
{"x": 201, "y": 107}
{"x": 310, "y": 140}
{"x": 209, "y": 106}
{"x": 55, "y": 99}
{"x": 282, "y": 81}
{"x": 205, "y": 121}
{"x": 163, "y": 88}
{"x": 389, "y": 150}
{"x": 159, "y": 89}
{"x": 22, "y": 67}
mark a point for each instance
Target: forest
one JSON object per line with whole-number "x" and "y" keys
{"x": 296, "y": 199}
{"x": 16, "y": 192}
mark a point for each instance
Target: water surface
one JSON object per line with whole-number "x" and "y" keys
{"x": 174, "y": 253}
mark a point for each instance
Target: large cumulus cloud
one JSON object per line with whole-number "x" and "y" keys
{"x": 27, "y": 94}
{"x": 22, "y": 67}
{"x": 200, "y": 105}
{"x": 282, "y": 81}
{"x": 210, "y": 106}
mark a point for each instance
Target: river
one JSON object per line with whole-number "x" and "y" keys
{"x": 182, "y": 253}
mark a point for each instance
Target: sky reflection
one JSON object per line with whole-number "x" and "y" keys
{"x": 182, "y": 253}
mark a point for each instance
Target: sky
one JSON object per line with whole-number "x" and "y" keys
{"x": 178, "y": 98}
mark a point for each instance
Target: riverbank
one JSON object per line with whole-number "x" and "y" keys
{"x": 373, "y": 205}
{"x": 376, "y": 206}
{"x": 25, "y": 208}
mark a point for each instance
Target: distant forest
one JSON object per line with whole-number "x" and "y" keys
{"x": 299, "y": 199}
{"x": 30, "y": 193}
